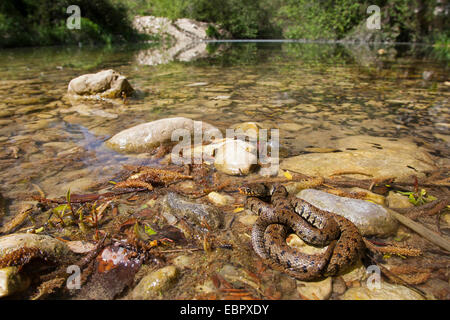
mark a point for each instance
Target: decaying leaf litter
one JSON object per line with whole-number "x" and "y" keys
{"x": 127, "y": 235}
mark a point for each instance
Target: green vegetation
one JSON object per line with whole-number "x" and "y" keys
{"x": 303, "y": 19}
{"x": 31, "y": 22}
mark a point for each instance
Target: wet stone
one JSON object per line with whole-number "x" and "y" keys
{"x": 365, "y": 156}
{"x": 155, "y": 283}
{"x": 11, "y": 281}
{"x": 183, "y": 262}
{"x": 385, "y": 292}
{"x": 396, "y": 200}
{"x": 47, "y": 244}
{"x": 248, "y": 219}
{"x": 196, "y": 213}
{"x": 220, "y": 199}
{"x": 370, "y": 219}
{"x": 318, "y": 290}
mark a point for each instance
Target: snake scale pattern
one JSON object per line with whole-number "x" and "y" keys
{"x": 286, "y": 214}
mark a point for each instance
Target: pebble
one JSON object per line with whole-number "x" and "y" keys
{"x": 197, "y": 84}
{"x": 339, "y": 286}
{"x": 294, "y": 241}
{"x": 107, "y": 83}
{"x": 291, "y": 126}
{"x": 317, "y": 290}
{"x": 357, "y": 273}
{"x": 306, "y": 108}
{"x": 396, "y": 200}
{"x": 146, "y": 136}
{"x": 220, "y": 199}
{"x": 248, "y": 220}
{"x": 183, "y": 262}
{"x": 155, "y": 283}
{"x": 386, "y": 291}
{"x": 206, "y": 287}
{"x": 196, "y": 213}
{"x": 249, "y": 128}
{"x": 79, "y": 185}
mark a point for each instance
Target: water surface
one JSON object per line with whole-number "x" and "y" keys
{"x": 314, "y": 93}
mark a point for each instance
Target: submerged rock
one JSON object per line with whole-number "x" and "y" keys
{"x": 396, "y": 200}
{"x": 370, "y": 219}
{"x": 11, "y": 281}
{"x": 146, "y": 136}
{"x": 48, "y": 245}
{"x": 106, "y": 83}
{"x": 317, "y": 290}
{"x": 365, "y": 156}
{"x": 220, "y": 199}
{"x": 386, "y": 291}
{"x": 152, "y": 284}
{"x": 196, "y": 213}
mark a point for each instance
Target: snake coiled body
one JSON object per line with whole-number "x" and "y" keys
{"x": 316, "y": 227}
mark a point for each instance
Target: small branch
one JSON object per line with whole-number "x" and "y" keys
{"x": 420, "y": 229}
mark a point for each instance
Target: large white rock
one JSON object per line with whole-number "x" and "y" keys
{"x": 106, "y": 83}
{"x": 236, "y": 157}
{"x": 370, "y": 219}
{"x": 143, "y": 137}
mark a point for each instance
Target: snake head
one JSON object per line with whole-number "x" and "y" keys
{"x": 247, "y": 190}
{"x": 255, "y": 190}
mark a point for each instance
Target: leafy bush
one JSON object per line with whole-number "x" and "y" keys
{"x": 327, "y": 19}
{"x": 30, "y": 22}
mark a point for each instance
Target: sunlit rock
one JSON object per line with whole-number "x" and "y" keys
{"x": 370, "y": 219}
{"x": 236, "y": 157}
{"x": 146, "y": 136}
{"x": 106, "y": 84}
{"x": 365, "y": 156}
{"x": 11, "y": 281}
{"x": 315, "y": 290}
{"x": 196, "y": 213}
{"x": 48, "y": 245}
{"x": 152, "y": 284}
{"x": 386, "y": 291}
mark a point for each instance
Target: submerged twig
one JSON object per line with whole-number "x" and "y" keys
{"x": 420, "y": 229}
{"x": 17, "y": 221}
{"x": 427, "y": 209}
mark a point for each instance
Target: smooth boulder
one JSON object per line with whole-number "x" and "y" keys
{"x": 236, "y": 157}
{"x": 106, "y": 83}
{"x": 370, "y": 219}
{"x": 146, "y": 136}
{"x": 365, "y": 157}
{"x": 152, "y": 284}
{"x": 385, "y": 291}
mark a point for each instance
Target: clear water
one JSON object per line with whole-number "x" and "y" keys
{"x": 314, "y": 93}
